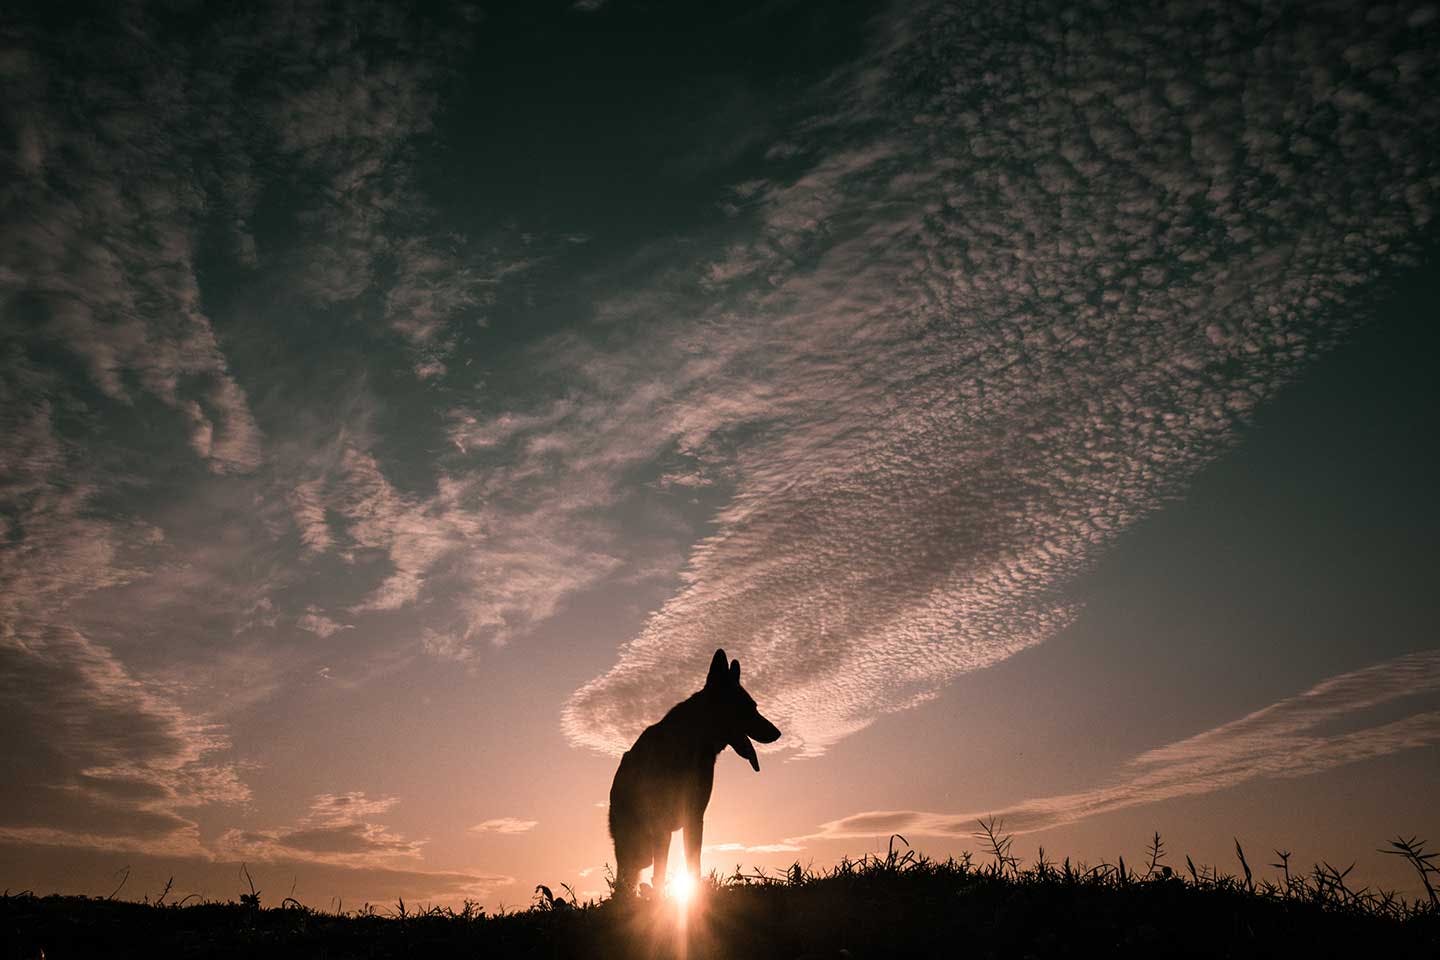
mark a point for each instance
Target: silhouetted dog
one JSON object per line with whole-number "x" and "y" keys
{"x": 664, "y": 781}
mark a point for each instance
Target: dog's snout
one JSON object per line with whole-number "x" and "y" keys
{"x": 765, "y": 731}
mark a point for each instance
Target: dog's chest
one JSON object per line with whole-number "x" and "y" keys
{"x": 668, "y": 778}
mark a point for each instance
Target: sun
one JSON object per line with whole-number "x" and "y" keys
{"x": 683, "y": 889}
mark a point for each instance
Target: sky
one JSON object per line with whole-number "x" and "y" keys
{"x": 399, "y": 407}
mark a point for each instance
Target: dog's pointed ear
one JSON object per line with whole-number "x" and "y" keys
{"x": 735, "y": 672}
{"x": 717, "y": 673}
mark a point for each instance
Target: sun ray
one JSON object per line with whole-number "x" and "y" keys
{"x": 683, "y": 890}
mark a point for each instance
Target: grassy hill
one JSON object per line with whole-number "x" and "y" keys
{"x": 900, "y": 905}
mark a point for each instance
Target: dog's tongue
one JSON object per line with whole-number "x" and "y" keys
{"x": 746, "y": 749}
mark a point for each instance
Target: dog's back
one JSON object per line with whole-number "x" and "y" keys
{"x": 664, "y": 780}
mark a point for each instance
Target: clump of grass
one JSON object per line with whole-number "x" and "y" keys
{"x": 1424, "y": 863}
{"x": 544, "y": 899}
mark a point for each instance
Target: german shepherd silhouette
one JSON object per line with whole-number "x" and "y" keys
{"x": 664, "y": 781}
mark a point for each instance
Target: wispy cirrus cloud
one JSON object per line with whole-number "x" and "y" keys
{"x": 351, "y": 115}
{"x": 100, "y": 258}
{"x": 99, "y": 757}
{"x": 787, "y": 846}
{"x": 1320, "y": 729}
{"x": 120, "y": 375}
{"x": 506, "y": 825}
{"x": 317, "y": 623}
{"x": 339, "y": 828}
{"x": 476, "y": 560}
{"x": 1002, "y": 313}
{"x": 97, "y": 753}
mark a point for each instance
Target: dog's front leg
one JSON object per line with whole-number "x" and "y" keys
{"x": 694, "y": 833}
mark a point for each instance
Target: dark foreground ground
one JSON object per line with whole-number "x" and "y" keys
{"x": 897, "y": 906}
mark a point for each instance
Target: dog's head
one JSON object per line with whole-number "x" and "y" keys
{"x": 734, "y": 711}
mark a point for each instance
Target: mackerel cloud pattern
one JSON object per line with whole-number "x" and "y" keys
{"x": 1022, "y": 280}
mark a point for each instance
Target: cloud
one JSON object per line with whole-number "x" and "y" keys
{"x": 350, "y": 110}
{"x": 997, "y": 319}
{"x": 97, "y": 756}
{"x": 124, "y": 201}
{"x": 66, "y": 551}
{"x": 1321, "y": 729}
{"x": 174, "y": 215}
{"x": 120, "y": 361}
{"x": 307, "y": 506}
{"x": 101, "y": 247}
{"x": 415, "y": 534}
{"x": 787, "y": 846}
{"x": 317, "y": 623}
{"x": 96, "y": 753}
{"x": 338, "y": 829}
{"x": 476, "y": 559}
{"x": 433, "y": 287}
{"x": 504, "y": 825}
{"x": 346, "y": 111}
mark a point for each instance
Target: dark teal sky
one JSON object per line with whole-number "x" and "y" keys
{"x": 398, "y": 409}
